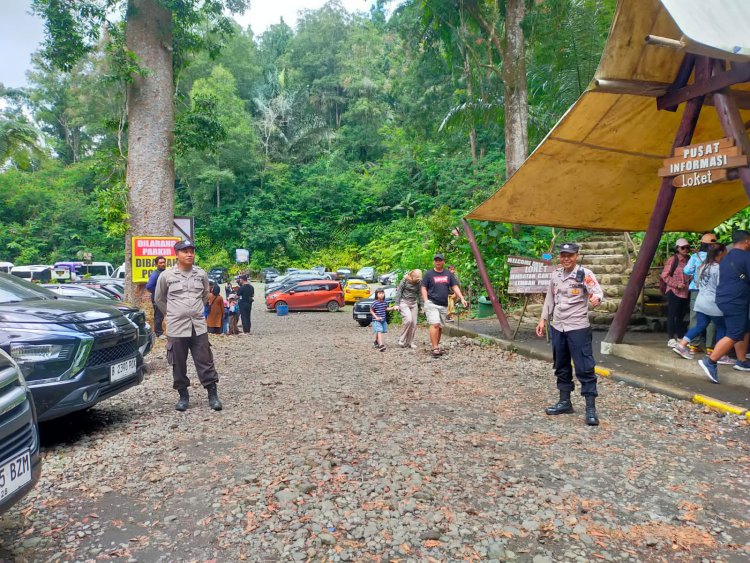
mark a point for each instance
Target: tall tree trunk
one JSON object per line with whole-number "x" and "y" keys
{"x": 516, "y": 88}
{"x": 150, "y": 172}
{"x": 470, "y": 98}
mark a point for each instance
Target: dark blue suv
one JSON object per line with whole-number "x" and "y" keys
{"x": 20, "y": 466}
{"x": 73, "y": 354}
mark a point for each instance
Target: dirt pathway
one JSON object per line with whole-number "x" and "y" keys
{"x": 330, "y": 450}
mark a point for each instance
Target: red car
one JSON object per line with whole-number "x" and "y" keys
{"x": 305, "y": 295}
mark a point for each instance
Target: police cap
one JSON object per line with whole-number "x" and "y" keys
{"x": 568, "y": 247}
{"x": 183, "y": 244}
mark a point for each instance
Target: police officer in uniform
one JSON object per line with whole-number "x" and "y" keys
{"x": 571, "y": 289}
{"x": 181, "y": 293}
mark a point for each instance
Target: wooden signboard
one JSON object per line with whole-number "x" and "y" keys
{"x": 530, "y": 279}
{"x": 523, "y": 261}
{"x": 703, "y": 163}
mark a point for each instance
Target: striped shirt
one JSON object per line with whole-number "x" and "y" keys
{"x": 378, "y": 310}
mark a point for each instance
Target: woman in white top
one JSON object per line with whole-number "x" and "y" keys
{"x": 706, "y": 310}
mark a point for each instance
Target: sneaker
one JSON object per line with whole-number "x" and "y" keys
{"x": 382, "y": 348}
{"x": 683, "y": 351}
{"x": 671, "y": 343}
{"x": 710, "y": 368}
{"x": 375, "y": 344}
{"x": 742, "y": 366}
{"x": 726, "y": 360}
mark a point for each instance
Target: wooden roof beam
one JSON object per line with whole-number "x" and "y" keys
{"x": 738, "y": 73}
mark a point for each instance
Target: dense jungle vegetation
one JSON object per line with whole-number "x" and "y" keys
{"x": 351, "y": 140}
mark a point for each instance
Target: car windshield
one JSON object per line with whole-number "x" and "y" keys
{"x": 91, "y": 270}
{"x": 358, "y": 286}
{"x": 13, "y": 290}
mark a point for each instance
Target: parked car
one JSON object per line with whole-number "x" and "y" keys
{"x": 120, "y": 272}
{"x": 389, "y": 278}
{"x": 73, "y": 354}
{"x": 35, "y": 273}
{"x": 300, "y": 275}
{"x": 355, "y": 289}
{"x": 96, "y": 270}
{"x": 218, "y": 275}
{"x": 361, "y": 310}
{"x": 291, "y": 271}
{"x": 20, "y": 465}
{"x": 368, "y": 274}
{"x": 343, "y": 272}
{"x": 6, "y": 267}
{"x": 112, "y": 287}
{"x": 267, "y": 275}
{"x": 319, "y": 269}
{"x": 66, "y": 271}
{"x": 307, "y": 295}
{"x": 135, "y": 315}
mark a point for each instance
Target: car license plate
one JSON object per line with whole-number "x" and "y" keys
{"x": 122, "y": 370}
{"x": 14, "y": 474}
{"x": 361, "y": 316}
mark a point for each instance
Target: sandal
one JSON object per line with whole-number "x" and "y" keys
{"x": 436, "y": 352}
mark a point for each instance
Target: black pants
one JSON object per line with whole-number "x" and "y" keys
{"x": 245, "y": 310}
{"x": 575, "y": 345}
{"x": 158, "y": 320}
{"x": 200, "y": 349}
{"x": 677, "y": 308}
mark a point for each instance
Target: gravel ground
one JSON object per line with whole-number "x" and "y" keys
{"x": 329, "y": 450}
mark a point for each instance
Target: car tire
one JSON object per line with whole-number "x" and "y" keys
{"x": 282, "y": 303}
{"x": 364, "y": 323}
{"x": 333, "y": 307}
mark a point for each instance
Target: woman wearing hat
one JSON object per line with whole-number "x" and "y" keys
{"x": 677, "y": 292}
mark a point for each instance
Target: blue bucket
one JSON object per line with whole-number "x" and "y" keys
{"x": 282, "y": 310}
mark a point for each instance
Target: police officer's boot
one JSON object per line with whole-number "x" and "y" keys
{"x": 182, "y": 404}
{"x": 563, "y": 406}
{"x": 591, "y": 418}
{"x": 213, "y": 397}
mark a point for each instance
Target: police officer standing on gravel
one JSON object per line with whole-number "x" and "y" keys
{"x": 571, "y": 289}
{"x": 181, "y": 293}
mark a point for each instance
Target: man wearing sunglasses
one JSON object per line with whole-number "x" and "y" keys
{"x": 703, "y": 341}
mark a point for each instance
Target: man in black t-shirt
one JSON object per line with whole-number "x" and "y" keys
{"x": 246, "y": 292}
{"x": 436, "y": 286}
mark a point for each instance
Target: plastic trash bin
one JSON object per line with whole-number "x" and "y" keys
{"x": 485, "y": 308}
{"x": 282, "y": 310}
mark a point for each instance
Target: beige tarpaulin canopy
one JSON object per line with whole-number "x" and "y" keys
{"x": 597, "y": 169}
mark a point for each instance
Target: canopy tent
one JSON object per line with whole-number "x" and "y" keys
{"x": 597, "y": 168}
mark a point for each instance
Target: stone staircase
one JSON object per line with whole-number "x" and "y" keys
{"x": 610, "y": 256}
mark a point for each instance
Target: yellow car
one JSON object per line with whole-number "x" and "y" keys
{"x": 355, "y": 289}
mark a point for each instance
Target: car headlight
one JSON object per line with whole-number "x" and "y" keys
{"x": 53, "y": 359}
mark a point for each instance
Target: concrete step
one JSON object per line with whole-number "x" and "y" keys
{"x": 602, "y": 269}
{"x": 587, "y": 245}
{"x": 611, "y": 239}
{"x": 590, "y": 259}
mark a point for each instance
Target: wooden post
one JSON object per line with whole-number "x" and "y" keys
{"x": 663, "y": 205}
{"x": 486, "y": 280}
{"x": 733, "y": 126}
{"x": 523, "y": 312}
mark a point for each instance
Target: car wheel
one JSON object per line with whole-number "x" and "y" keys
{"x": 333, "y": 306}
{"x": 363, "y": 323}
{"x": 276, "y": 305}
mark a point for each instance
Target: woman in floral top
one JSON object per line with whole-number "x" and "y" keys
{"x": 678, "y": 293}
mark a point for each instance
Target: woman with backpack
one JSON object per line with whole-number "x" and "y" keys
{"x": 675, "y": 284}
{"x": 706, "y": 310}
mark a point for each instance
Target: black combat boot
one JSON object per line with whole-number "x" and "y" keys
{"x": 563, "y": 406}
{"x": 213, "y": 397}
{"x": 182, "y": 404}
{"x": 591, "y": 418}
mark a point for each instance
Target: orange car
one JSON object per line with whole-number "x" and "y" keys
{"x": 308, "y": 295}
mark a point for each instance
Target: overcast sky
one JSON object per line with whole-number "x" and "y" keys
{"x": 21, "y": 33}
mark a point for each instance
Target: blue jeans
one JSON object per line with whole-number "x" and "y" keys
{"x": 702, "y": 320}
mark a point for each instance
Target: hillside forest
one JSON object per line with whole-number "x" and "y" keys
{"x": 351, "y": 140}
